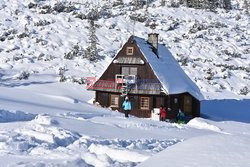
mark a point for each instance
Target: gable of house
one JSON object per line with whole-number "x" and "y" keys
{"x": 130, "y": 61}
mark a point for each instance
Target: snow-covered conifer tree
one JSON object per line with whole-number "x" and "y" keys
{"x": 91, "y": 51}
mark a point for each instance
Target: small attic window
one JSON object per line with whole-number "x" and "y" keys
{"x": 130, "y": 51}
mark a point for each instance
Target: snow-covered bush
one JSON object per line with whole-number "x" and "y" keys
{"x": 138, "y": 17}
{"x": 175, "y": 4}
{"x": 45, "y": 57}
{"x": 210, "y": 74}
{"x": 118, "y": 3}
{"x": 8, "y": 34}
{"x": 93, "y": 14}
{"x": 62, "y": 7}
{"x": 23, "y": 35}
{"x": 184, "y": 60}
{"x": 2, "y": 38}
{"x": 197, "y": 26}
{"x": 244, "y": 91}
{"x": 80, "y": 81}
{"x": 41, "y": 41}
{"x": 62, "y": 78}
{"x": 18, "y": 57}
{"x": 80, "y": 16}
{"x": 231, "y": 53}
{"x": 173, "y": 25}
{"x": 42, "y": 23}
{"x": 62, "y": 71}
{"x": 32, "y": 5}
{"x": 56, "y": 8}
{"x": 23, "y": 75}
{"x": 46, "y": 9}
{"x": 76, "y": 51}
{"x": 105, "y": 12}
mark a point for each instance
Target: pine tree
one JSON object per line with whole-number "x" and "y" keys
{"x": 91, "y": 51}
{"x": 188, "y": 3}
{"x": 163, "y": 2}
{"x": 138, "y": 3}
{"x": 147, "y": 17}
{"x": 212, "y": 5}
{"x": 227, "y": 4}
{"x": 93, "y": 14}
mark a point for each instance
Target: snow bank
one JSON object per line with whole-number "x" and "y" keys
{"x": 45, "y": 119}
{"x": 42, "y": 163}
{"x": 120, "y": 155}
{"x": 43, "y": 129}
{"x": 200, "y": 123}
{"x": 45, "y": 141}
{"x": 118, "y": 152}
{"x": 12, "y": 116}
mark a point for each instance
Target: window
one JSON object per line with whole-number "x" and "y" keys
{"x": 144, "y": 103}
{"x": 114, "y": 101}
{"x": 125, "y": 70}
{"x": 130, "y": 51}
{"x": 133, "y": 71}
{"x": 129, "y": 70}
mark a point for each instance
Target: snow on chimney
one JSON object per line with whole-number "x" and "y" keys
{"x": 153, "y": 40}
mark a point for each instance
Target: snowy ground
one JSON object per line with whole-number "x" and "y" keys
{"x": 47, "y": 123}
{"x": 53, "y": 124}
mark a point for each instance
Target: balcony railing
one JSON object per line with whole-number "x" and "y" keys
{"x": 129, "y": 83}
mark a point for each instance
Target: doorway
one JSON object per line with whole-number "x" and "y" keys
{"x": 187, "y": 105}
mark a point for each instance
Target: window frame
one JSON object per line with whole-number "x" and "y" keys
{"x": 148, "y": 105}
{"x": 114, "y": 96}
{"x": 129, "y": 70}
{"x": 128, "y": 49}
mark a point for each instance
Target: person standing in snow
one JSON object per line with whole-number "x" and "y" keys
{"x": 126, "y": 106}
{"x": 180, "y": 117}
{"x": 163, "y": 113}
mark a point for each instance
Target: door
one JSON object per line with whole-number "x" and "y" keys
{"x": 158, "y": 101}
{"x": 174, "y": 106}
{"x": 187, "y": 105}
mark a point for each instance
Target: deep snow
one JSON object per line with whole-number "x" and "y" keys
{"x": 54, "y": 125}
{"x": 47, "y": 123}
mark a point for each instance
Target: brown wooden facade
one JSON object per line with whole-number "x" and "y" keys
{"x": 185, "y": 102}
{"x": 107, "y": 96}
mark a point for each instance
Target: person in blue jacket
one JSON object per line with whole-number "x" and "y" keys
{"x": 181, "y": 117}
{"x": 126, "y": 106}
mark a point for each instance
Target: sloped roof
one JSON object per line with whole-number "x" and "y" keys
{"x": 172, "y": 77}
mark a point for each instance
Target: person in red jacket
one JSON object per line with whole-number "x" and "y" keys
{"x": 163, "y": 113}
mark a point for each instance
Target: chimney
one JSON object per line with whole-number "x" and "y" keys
{"x": 153, "y": 41}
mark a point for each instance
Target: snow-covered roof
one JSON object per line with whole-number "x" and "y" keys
{"x": 172, "y": 77}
